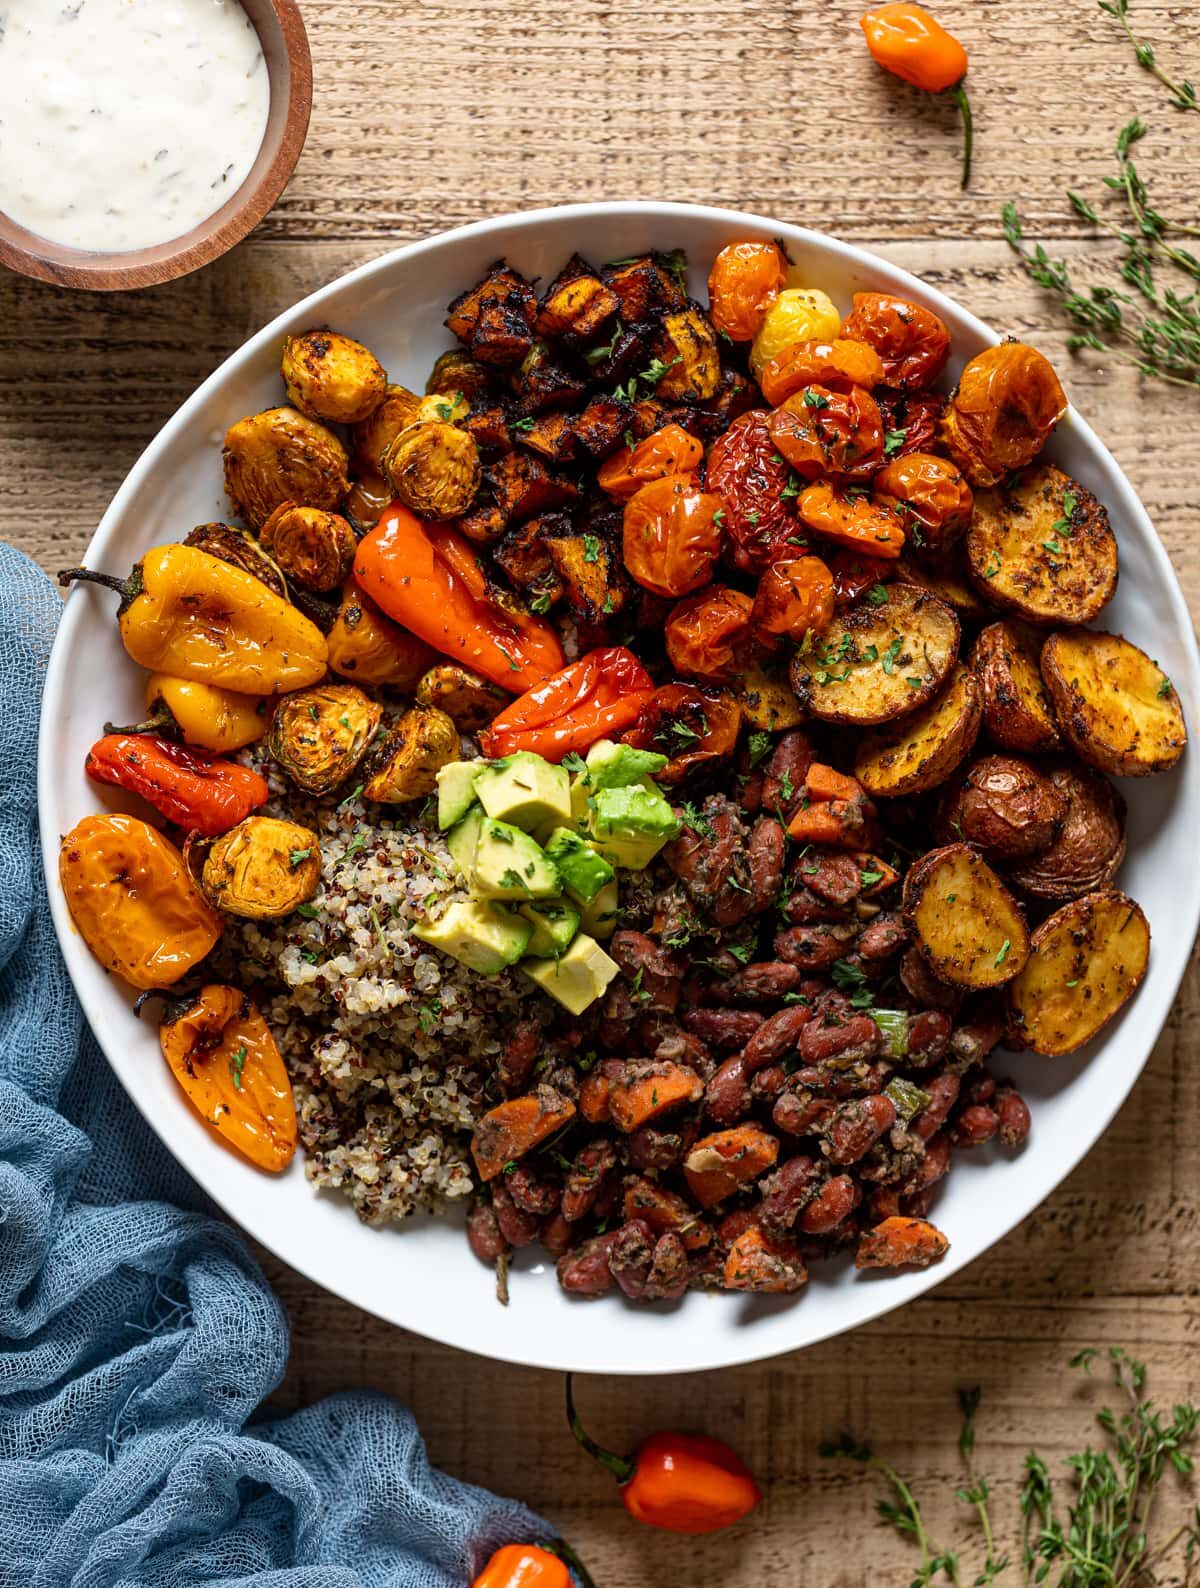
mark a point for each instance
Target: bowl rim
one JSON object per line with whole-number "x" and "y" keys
{"x": 728, "y": 1351}
{"x": 29, "y": 254}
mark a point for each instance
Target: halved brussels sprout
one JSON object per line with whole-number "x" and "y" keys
{"x": 468, "y": 700}
{"x": 331, "y": 376}
{"x": 242, "y": 550}
{"x": 457, "y": 371}
{"x": 319, "y": 735}
{"x": 371, "y": 439}
{"x": 280, "y": 456}
{"x": 434, "y": 468}
{"x": 406, "y": 765}
{"x": 263, "y": 868}
{"x": 313, "y": 547}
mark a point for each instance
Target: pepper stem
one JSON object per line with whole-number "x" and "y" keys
{"x": 563, "y": 1550}
{"x": 620, "y": 1466}
{"x": 959, "y": 95}
{"x": 161, "y": 721}
{"x": 90, "y": 576}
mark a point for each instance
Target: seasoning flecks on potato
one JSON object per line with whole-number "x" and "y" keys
{"x": 967, "y": 924}
{"x": 1117, "y": 709}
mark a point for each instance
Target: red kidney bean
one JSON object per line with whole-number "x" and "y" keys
{"x": 723, "y": 1028}
{"x": 483, "y": 1233}
{"x": 856, "y": 1126}
{"x": 884, "y": 936}
{"x": 777, "y": 1035}
{"x": 975, "y": 1038}
{"x": 833, "y": 1203}
{"x": 943, "y": 1094}
{"x": 854, "y": 1042}
{"x": 784, "y": 773}
{"x": 522, "y": 1050}
{"x": 919, "y": 1204}
{"x": 800, "y": 1113}
{"x": 928, "y": 1038}
{"x": 933, "y": 1165}
{"x": 618, "y": 1017}
{"x": 766, "y": 1085}
{"x": 584, "y": 1270}
{"x": 766, "y": 982}
{"x": 785, "y": 1193}
{"x": 532, "y": 1193}
{"x": 767, "y": 852}
{"x": 1013, "y": 1113}
{"x": 750, "y": 792}
{"x": 630, "y": 1257}
{"x": 832, "y": 876}
{"x": 923, "y": 986}
{"x": 677, "y": 1046}
{"x": 517, "y": 1227}
{"x": 860, "y": 1080}
{"x": 727, "y": 1095}
{"x": 814, "y": 947}
{"x": 980, "y": 1088}
{"x": 556, "y": 1235}
{"x": 653, "y": 1148}
{"x": 883, "y": 1202}
{"x": 735, "y": 1224}
{"x": 976, "y": 1124}
{"x": 668, "y": 1276}
{"x": 804, "y": 908}
{"x": 586, "y": 1177}
{"x": 656, "y": 974}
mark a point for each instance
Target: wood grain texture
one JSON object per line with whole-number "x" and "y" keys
{"x": 427, "y": 115}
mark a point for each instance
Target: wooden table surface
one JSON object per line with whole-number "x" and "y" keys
{"x": 429, "y": 113}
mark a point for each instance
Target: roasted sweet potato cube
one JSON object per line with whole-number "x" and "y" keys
{"x": 623, "y": 355}
{"x": 720, "y": 1164}
{"x": 489, "y": 424}
{"x": 687, "y": 348}
{"x": 600, "y": 428}
{"x": 647, "y": 286}
{"x": 524, "y": 556}
{"x": 552, "y": 434}
{"x": 546, "y": 381}
{"x": 523, "y": 485}
{"x": 649, "y": 415}
{"x": 648, "y": 1090}
{"x": 483, "y": 524}
{"x": 507, "y": 1132}
{"x": 576, "y": 306}
{"x": 590, "y": 568}
{"x": 495, "y": 319}
{"x": 736, "y": 395}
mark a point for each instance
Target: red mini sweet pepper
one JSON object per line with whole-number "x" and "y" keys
{"x": 197, "y": 791}
{"x": 685, "y": 1483}
{"x": 594, "y": 698}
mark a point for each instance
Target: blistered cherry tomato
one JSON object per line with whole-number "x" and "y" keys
{"x": 854, "y": 574}
{"x": 691, "y": 725}
{"x": 793, "y": 597}
{"x": 820, "y": 431}
{"x": 853, "y": 518}
{"x": 668, "y": 451}
{"x": 910, "y": 419}
{"x": 672, "y": 535}
{"x": 934, "y": 499}
{"x": 1007, "y": 402}
{"x": 912, "y": 341}
{"x": 839, "y": 364}
{"x": 744, "y": 281}
{"x": 750, "y": 475}
{"x": 708, "y": 634}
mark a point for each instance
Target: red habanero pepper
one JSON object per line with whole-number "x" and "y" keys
{"x": 189, "y": 787}
{"x": 595, "y": 698}
{"x": 427, "y": 578}
{"x": 685, "y": 1483}
{"x": 912, "y": 45}
{"x": 531, "y": 1566}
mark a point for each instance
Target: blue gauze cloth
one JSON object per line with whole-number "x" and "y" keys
{"x": 137, "y": 1335}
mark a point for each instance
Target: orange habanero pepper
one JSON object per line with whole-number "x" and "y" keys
{"x": 915, "y": 47}
{"x": 684, "y": 1483}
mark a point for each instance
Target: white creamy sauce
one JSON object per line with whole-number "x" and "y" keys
{"x": 124, "y": 123}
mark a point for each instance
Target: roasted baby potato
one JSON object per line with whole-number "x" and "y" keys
{"x": 333, "y": 377}
{"x": 365, "y": 645}
{"x": 924, "y": 749}
{"x": 242, "y": 550}
{"x": 1116, "y": 708}
{"x": 768, "y": 701}
{"x": 319, "y": 735}
{"x": 1017, "y": 710}
{"x": 687, "y": 345}
{"x": 876, "y": 663}
{"x": 945, "y": 578}
{"x": 406, "y": 763}
{"x": 1005, "y": 807}
{"x": 1086, "y": 962}
{"x": 966, "y": 923}
{"x": 1042, "y": 546}
{"x": 1090, "y": 845}
{"x": 263, "y": 868}
{"x": 434, "y": 468}
{"x": 468, "y": 700}
{"x": 372, "y": 436}
{"x": 1007, "y": 401}
{"x": 314, "y": 548}
{"x": 281, "y": 456}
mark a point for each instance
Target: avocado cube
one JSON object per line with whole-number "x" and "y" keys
{"x": 599, "y": 917}
{"x": 612, "y": 765}
{"x": 578, "y": 977}
{"x": 483, "y": 937}
{"x": 463, "y": 839}
{"x": 555, "y": 923}
{"x": 583, "y": 871}
{"x": 628, "y": 854}
{"x": 456, "y": 791}
{"x": 636, "y": 810}
{"x": 525, "y": 790}
{"x": 509, "y": 865}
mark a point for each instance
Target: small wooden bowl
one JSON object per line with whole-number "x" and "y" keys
{"x": 289, "y": 65}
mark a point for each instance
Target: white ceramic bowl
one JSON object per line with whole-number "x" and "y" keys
{"x": 421, "y": 1275}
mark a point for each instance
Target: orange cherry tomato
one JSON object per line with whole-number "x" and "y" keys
{"x": 793, "y": 598}
{"x": 668, "y": 451}
{"x": 753, "y": 480}
{"x": 934, "y": 499}
{"x": 839, "y": 364}
{"x": 744, "y": 281}
{"x": 820, "y": 431}
{"x": 691, "y": 725}
{"x": 672, "y": 535}
{"x": 910, "y": 420}
{"x": 853, "y": 518}
{"x": 708, "y": 634}
{"x": 912, "y": 341}
{"x": 854, "y": 574}
{"x": 1007, "y": 402}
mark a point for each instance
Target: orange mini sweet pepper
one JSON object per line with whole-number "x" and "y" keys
{"x": 532, "y": 1566}
{"x": 915, "y": 47}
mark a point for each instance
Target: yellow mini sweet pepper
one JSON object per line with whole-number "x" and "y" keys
{"x": 210, "y": 718}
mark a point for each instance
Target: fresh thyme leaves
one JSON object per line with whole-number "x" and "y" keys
{"x": 1183, "y": 94}
{"x": 1092, "y": 1531}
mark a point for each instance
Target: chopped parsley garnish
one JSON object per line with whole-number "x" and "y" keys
{"x": 890, "y": 655}
{"x": 741, "y": 951}
{"x": 237, "y": 1064}
{"x": 695, "y": 822}
{"x": 1062, "y": 526}
{"x": 352, "y": 796}
{"x": 893, "y": 440}
{"x": 993, "y": 567}
{"x": 591, "y": 548}
{"x": 913, "y": 683}
{"x": 308, "y": 911}
{"x": 1165, "y": 688}
{"x": 444, "y": 411}
{"x": 521, "y": 424}
{"x": 298, "y": 855}
{"x": 540, "y": 603}
{"x": 877, "y": 595}
{"x": 719, "y": 517}
{"x": 574, "y": 762}
{"x": 815, "y": 399}
{"x": 1003, "y": 954}
{"x": 758, "y": 745}
{"x": 868, "y": 879}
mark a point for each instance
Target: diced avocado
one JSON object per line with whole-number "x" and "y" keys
{"x": 583, "y": 871}
{"x": 600, "y": 916}
{"x": 555, "y": 923}
{"x": 484, "y": 937}
{"x": 628, "y": 854}
{"x": 578, "y": 977}
{"x": 635, "y": 811}
{"x": 463, "y": 839}
{"x": 509, "y": 865}
{"x": 581, "y": 811}
{"x": 525, "y": 790}
{"x": 612, "y": 765}
{"x": 456, "y": 791}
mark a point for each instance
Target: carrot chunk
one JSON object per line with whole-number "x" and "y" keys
{"x": 826, "y": 824}
{"x": 594, "y": 1092}
{"x": 665, "y": 1212}
{"x": 646, "y": 1091}
{"x": 507, "y": 1132}
{"x": 718, "y": 1164}
{"x": 823, "y": 782}
{"x": 764, "y": 1266}
{"x": 900, "y": 1241}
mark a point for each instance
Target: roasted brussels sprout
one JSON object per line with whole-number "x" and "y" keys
{"x": 319, "y": 735}
{"x": 366, "y": 501}
{"x": 264, "y": 868}
{"x": 314, "y": 548}
{"x": 280, "y": 456}
{"x": 367, "y": 646}
{"x": 406, "y": 765}
{"x": 330, "y": 376}
{"x": 242, "y": 550}
{"x": 468, "y": 700}
{"x": 434, "y": 468}
{"x": 457, "y": 371}
{"x": 371, "y": 438}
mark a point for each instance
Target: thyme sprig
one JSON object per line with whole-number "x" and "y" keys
{"x": 1097, "y": 1535}
{"x": 1183, "y": 94}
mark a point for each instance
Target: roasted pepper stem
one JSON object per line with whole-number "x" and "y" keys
{"x": 959, "y": 95}
{"x": 128, "y": 589}
{"x": 621, "y": 1467}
